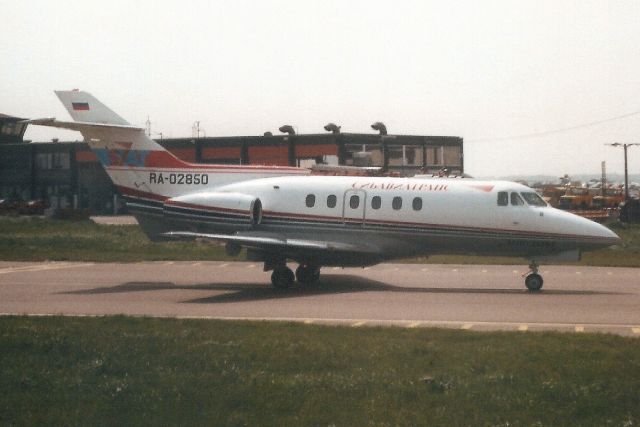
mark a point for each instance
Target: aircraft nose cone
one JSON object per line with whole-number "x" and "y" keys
{"x": 614, "y": 237}
{"x": 608, "y": 237}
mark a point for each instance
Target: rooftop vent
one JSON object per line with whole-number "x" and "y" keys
{"x": 287, "y": 129}
{"x": 332, "y": 127}
{"x": 380, "y": 127}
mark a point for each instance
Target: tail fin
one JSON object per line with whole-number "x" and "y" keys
{"x": 138, "y": 166}
{"x": 83, "y": 107}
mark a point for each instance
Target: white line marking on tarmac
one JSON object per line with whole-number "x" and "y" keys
{"x": 484, "y": 271}
{"x": 523, "y": 328}
{"x": 515, "y": 271}
{"x": 252, "y": 266}
{"x": 467, "y": 326}
{"x": 195, "y": 264}
{"x": 223, "y": 265}
{"x": 579, "y": 328}
{"x": 335, "y": 268}
{"x": 43, "y": 268}
{"x": 169, "y": 263}
{"x": 425, "y": 269}
{"x": 578, "y": 272}
{"x": 619, "y": 328}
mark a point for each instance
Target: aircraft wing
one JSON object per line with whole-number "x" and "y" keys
{"x": 279, "y": 244}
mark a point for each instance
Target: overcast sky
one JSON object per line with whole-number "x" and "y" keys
{"x": 482, "y": 70}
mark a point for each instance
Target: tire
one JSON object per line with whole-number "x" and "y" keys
{"x": 306, "y": 274}
{"x": 533, "y": 282}
{"x": 282, "y": 277}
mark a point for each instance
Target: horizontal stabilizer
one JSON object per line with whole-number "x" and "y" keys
{"x": 79, "y": 126}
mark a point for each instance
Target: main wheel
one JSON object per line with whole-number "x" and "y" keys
{"x": 306, "y": 274}
{"x": 533, "y": 282}
{"x": 282, "y": 277}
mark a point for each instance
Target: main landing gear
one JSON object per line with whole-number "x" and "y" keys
{"x": 283, "y": 278}
{"x": 533, "y": 281}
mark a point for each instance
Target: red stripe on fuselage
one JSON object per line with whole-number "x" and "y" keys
{"x": 288, "y": 215}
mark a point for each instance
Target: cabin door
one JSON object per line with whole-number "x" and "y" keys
{"x": 353, "y": 207}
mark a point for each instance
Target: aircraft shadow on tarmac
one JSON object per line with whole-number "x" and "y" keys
{"x": 328, "y": 284}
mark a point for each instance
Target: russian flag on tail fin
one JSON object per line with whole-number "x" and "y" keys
{"x": 80, "y": 106}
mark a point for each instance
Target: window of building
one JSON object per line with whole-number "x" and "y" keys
{"x": 331, "y": 201}
{"x": 376, "y": 202}
{"x": 60, "y": 160}
{"x": 311, "y": 200}
{"x": 516, "y": 200}
{"x": 354, "y": 202}
{"x": 405, "y": 155}
{"x": 43, "y": 161}
{"x": 503, "y": 198}
{"x": 46, "y": 161}
{"x": 396, "y": 203}
{"x": 434, "y": 155}
{"x": 417, "y": 203}
{"x": 7, "y": 129}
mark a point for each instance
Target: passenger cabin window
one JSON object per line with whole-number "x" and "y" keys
{"x": 396, "y": 203}
{"x": 354, "y": 202}
{"x": 533, "y": 199}
{"x": 331, "y": 201}
{"x": 376, "y": 202}
{"x": 503, "y": 198}
{"x": 417, "y": 203}
{"x": 311, "y": 200}
{"x": 516, "y": 200}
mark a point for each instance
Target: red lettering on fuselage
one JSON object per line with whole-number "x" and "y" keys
{"x": 399, "y": 186}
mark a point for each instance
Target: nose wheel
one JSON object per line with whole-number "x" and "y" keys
{"x": 533, "y": 281}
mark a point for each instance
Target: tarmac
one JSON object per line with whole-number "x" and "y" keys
{"x": 469, "y": 297}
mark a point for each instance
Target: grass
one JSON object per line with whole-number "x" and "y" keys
{"x": 134, "y": 371}
{"x": 37, "y": 239}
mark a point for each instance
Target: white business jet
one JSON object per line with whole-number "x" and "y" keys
{"x": 283, "y": 213}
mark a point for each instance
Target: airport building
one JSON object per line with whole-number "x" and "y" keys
{"x": 67, "y": 175}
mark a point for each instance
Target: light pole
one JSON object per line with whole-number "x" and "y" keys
{"x": 626, "y": 172}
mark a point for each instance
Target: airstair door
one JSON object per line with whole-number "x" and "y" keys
{"x": 353, "y": 207}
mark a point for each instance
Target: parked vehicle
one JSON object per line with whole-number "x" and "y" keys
{"x": 22, "y": 207}
{"x": 576, "y": 198}
{"x": 611, "y": 199}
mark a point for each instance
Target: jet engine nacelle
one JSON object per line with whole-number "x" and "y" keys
{"x": 230, "y": 208}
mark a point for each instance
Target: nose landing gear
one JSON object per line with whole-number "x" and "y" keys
{"x": 533, "y": 281}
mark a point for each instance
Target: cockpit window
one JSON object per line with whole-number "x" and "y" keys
{"x": 516, "y": 200}
{"x": 503, "y": 198}
{"x": 533, "y": 199}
